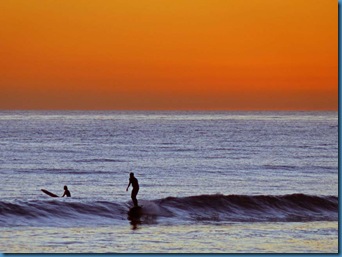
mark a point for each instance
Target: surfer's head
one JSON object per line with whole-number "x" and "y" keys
{"x": 131, "y": 174}
{"x": 65, "y": 188}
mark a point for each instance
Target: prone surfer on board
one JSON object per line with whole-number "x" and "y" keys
{"x": 66, "y": 192}
{"x": 133, "y": 180}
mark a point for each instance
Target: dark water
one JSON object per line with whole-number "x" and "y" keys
{"x": 205, "y": 208}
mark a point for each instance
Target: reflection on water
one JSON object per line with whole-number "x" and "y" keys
{"x": 308, "y": 237}
{"x": 135, "y": 222}
{"x": 143, "y": 220}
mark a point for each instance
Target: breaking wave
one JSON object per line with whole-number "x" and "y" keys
{"x": 202, "y": 208}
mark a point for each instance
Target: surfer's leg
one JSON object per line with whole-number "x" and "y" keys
{"x": 134, "y": 197}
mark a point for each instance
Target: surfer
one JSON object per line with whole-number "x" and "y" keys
{"x": 133, "y": 180}
{"x": 66, "y": 192}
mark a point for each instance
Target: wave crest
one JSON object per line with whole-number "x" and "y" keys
{"x": 212, "y": 208}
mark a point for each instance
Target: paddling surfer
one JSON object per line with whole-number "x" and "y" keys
{"x": 66, "y": 192}
{"x": 133, "y": 180}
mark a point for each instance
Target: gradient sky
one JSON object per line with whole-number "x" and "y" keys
{"x": 169, "y": 54}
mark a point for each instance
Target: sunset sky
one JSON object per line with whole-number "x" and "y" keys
{"x": 169, "y": 54}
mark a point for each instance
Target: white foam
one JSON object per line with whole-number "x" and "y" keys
{"x": 150, "y": 208}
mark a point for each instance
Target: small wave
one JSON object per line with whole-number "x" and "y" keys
{"x": 58, "y": 212}
{"x": 47, "y": 170}
{"x": 99, "y": 160}
{"x": 202, "y": 208}
{"x": 280, "y": 167}
{"x": 295, "y": 207}
{"x": 63, "y": 170}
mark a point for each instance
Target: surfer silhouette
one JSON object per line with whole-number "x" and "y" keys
{"x": 133, "y": 180}
{"x": 66, "y": 192}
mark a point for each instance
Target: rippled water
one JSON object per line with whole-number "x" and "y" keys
{"x": 209, "y": 182}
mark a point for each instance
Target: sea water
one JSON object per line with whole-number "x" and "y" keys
{"x": 210, "y": 182}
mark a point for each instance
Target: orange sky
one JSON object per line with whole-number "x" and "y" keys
{"x": 169, "y": 54}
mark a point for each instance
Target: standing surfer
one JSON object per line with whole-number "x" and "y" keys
{"x": 66, "y": 192}
{"x": 133, "y": 180}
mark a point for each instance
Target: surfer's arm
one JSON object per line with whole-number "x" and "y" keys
{"x": 128, "y": 185}
{"x": 63, "y": 194}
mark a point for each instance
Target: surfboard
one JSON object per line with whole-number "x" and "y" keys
{"x": 49, "y": 193}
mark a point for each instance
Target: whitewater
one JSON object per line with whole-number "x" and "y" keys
{"x": 210, "y": 182}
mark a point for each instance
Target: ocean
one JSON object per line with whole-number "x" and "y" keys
{"x": 210, "y": 182}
